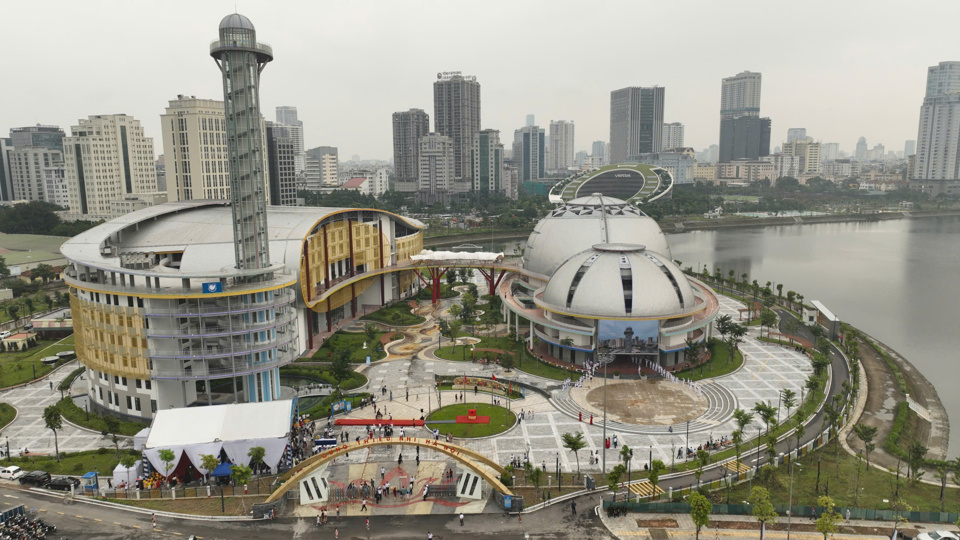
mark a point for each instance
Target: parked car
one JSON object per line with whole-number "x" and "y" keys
{"x": 64, "y": 483}
{"x": 36, "y": 478}
{"x": 11, "y": 473}
{"x": 5, "y": 334}
{"x": 938, "y": 535}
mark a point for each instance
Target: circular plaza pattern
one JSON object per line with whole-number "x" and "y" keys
{"x": 649, "y": 402}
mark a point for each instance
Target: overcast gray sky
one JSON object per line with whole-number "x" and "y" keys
{"x": 840, "y": 69}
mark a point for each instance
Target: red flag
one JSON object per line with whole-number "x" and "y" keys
{"x": 494, "y": 377}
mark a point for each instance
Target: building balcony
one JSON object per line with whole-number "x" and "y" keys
{"x": 222, "y": 307}
{"x": 224, "y": 348}
{"x": 225, "y": 325}
{"x": 217, "y": 369}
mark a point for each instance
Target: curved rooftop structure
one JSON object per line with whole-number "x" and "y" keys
{"x": 619, "y": 280}
{"x": 237, "y": 21}
{"x": 635, "y": 183}
{"x": 585, "y": 221}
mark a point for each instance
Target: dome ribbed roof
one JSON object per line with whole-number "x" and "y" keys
{"x": 619, "y": 281}
{"x": 236, "y": 20}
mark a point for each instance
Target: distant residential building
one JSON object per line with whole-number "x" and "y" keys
{"x": 49, "y": 137}
{"x": 784, "y": 164}
{"x": 672, "y": 136}
{"x": 909, "y": 148}
{"x": 580, "y": 157}
{"x": 599, "y": 149}
{"x": 561, "y": 146}
{"x": 108, "y": 158}
{"x": 679, "y": 162}
{"x": 528, "y": 152}
{"x": 943, "y": 79}
{"x": 796, "y": 134}
{"x": 408, "y": 127}
{"x": 531, "y": 120}
{"x": 511, "y": 181}
{"x": 369, "y": 182}
{"x": 840, "y": 168}
{"x": 746, "y": 170}
{"x": 636, "y": 122}
{"x": 456, "y": 114}
{"x": 161, "y": 174}
{"x": 740, "y": 95}
{"x": 809, "y": 153}
{"x": 196, "y": 163}
{"x": 437, "y": 169}
{"x": 6, "y": 175}
{"x": 488, "y": 162}
{"x": 938, "y": 134}
{"x": 55, "y": 185}
{"x": 830, "y": 151}
{"x": 744, "y": 137}
{"x": 27, "y": 165}
{"x": 287, "y": 116}
{"x": 311, "y": 174}
{"x": 711, "y": 154}
{"x": 860, "y": 154}
{"x": 706, "y": 172}
{"x": 327, "y": 156}
{"x": 282, "y": 164}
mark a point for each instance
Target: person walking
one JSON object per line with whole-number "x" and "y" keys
{"x": 363, "y": 505}
{"x": 461, "y": 519}
{"x": 338, "y": 512}
{"x": 336, "y": 534}
{"x": 573, "y": 507}
{"x": 368, "y": 524}
{"x": 383, "y": 473}
{"x": 429, "y": 535}
{"x": 153, "y": 519}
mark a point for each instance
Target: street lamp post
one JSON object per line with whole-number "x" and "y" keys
{"x": 779, "y": 401}
{"x": 558, "y": 471}
{"x": 790, "y": 498}
{"x": 605, "y": 358}
{"x": 688, "y": 442}
{"x": 651, "y": 458}
{"x": 758, "y": 448}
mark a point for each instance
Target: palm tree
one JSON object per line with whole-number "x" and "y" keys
{"x": 626, "y": 454}
{"x": 866, "y": 434}
{"x": 789, "y": 400}
{"x": 574, "y": 443}
{"x": 53, "y": 421}
{"x": 743, "y": 419}
{"x": 766, "y": 412}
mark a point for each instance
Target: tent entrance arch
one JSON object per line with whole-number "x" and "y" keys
{"x": 475, "y": 461}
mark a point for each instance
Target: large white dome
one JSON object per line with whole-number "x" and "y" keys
{"x": 579, "y": 224}
{"x": 621, "y": 281}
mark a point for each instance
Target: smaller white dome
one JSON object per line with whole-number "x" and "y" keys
{"x": 619, "y": 280}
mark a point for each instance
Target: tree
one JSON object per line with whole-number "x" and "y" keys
{"x": 43, "y": 272}
{"x": 54, "y": 421}
{"x": 574, "y": 443}
{"x": 656, "y": 468}
{"x": 767, "y": 319}
{"x": 766, "y": 412}
{"x": 700, "y": 509}
{"x": 866, "y": 434}
{"x": 743, "y": 419}
{"x": 703, "y": 459}
{"x": 737, "y": 331}
{"x": 112, "y": 426}
{"x": 899, "y": 507}
{"x": 166, "y": 456}
{"x": 820, "y": 363}
{"x": 13, "y": 310}
{"x": 762, "y": 508}
{"x": 256, "y": 455}
{"x": 453, "y": 330}
{"x": 789, "y": 400}
{"x": 506, "y": 361}
{"x": 916, "y": 457}
{"x": 241, "y": 476}
{"x": 209, "y": 462}
{"x": 455, "y": 310}
{"x": 128, "y": 460}
{"x": 4, "y": 271}
{"x": 340, "y": 367}
{"x": 830, "y": 519}
{"x": 626, "y": 455}
{"x": 535, "y": 475}
{"x": 370, "y": 332}
{"x": 722, "y": 324}
{"x": 613, "y": 478}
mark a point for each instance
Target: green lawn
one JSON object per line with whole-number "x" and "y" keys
{"x": 534, "y": 366}
{"x": 352, "y": 342}
{"x": 500, "y": 420}
{"x": 446, "y": 291}
{"x": 74, "y": 463}
{"x": 20, "y": 367}
{"x": 7, "y": 414}
{"x": 322, "y": 409}
{"x": 841, "y": 477}
{"x": 720, "y": 364}
{"x": 502, "y": 343}
{"x": 397, "y": 314}
{"x": 78, "y": 416}
{"x": 356, "y": 380}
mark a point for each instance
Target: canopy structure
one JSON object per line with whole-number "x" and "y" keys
{"x": 427, "y": 256}
{"x": 233, "y": 429}
{"x": 128, "y": 476}
{"x": 140, "y": 438}
{"x": 222, "y": 469}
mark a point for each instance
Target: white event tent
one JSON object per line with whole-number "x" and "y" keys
{"x": 234, "y": 428}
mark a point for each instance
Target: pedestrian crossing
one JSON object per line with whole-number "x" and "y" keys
{"x": 737, "y": 466}
{"x": 645, "y": 489}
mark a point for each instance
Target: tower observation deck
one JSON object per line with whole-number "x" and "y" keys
{"x": 241, "y": 59}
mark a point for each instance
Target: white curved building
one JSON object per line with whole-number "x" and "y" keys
{"x": 597, "y": 275}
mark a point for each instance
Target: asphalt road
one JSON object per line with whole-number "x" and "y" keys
{"x": 82, "y": 521}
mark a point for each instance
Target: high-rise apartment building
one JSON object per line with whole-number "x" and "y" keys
{"x": 744, "y": 137}
{"x": 561, "y": 145}
{"x": 488, "y": 162}
{"x": 196, "y": 164}
{"x": 6, "y": 175}
{"x": 27, "y": 167}
{"x": 796, "y": 134}
{"x": 329, "y": 162}
{"x": 860, "y": 154}
{"x": 55, "y": 189}
{"x": 108, "y": 158}
{"x": 281, "y": 162}
{"x": 909, "y": 148}
{"x": 809, "y": 153}
{"x": 49, "y": 137}
{"x": 580, "y": 158}
{"x": 938, "y": 134}
{"x": 408, "y": 127}
{"x": 456, "y": 114}
{"x": 740, "y": 95}
{"x": 531, "y": 120}
{"x": 636, "y": 122}
{"x": 287, "y": 116}
{"x": 830, "y": 151}
{"x": 672, "y": 136}
{"x": 528, "y": 152}
{"x": 784, "y": 164}
{"x": 599, "y": 149}
{"x": 437, "y": 174}
{"x": 311, "y": 174}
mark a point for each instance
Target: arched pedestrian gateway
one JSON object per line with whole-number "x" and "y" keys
{"x": 472, "y": 459}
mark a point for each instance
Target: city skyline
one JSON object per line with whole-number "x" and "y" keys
{"x": 855, "y": 97}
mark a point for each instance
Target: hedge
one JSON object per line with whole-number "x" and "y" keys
{"x": 356, "y": 380}
{"x": 76, "y": 415}
{"x": 66, "y": 382}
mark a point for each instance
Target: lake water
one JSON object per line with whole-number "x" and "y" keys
{"x": 894, "y": 280}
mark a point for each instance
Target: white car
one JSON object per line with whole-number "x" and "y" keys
{"x": 11, "y": 473}
{"x": 938, "y": 535}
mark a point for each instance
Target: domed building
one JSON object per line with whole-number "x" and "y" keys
{"x": 598, "y": 278}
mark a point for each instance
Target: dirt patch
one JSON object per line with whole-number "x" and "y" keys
{"x": 800, "y": 526}
{"x": 650, "y": 402}
{"x": 658, "y": 523}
